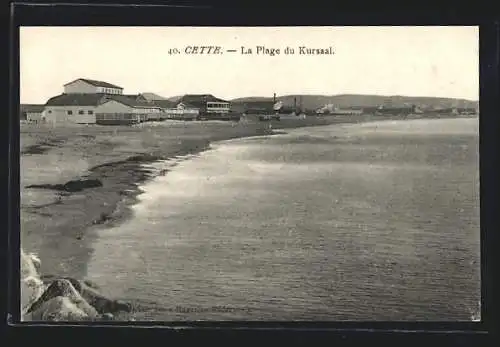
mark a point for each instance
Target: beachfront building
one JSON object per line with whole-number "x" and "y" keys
{"x": 393, "y": 110}
{"x": 87, "y": 101}
{"x": 331, "y": 109}
{"x": 89, "y": 86}
{"x": 346, "y": 111}
{"x": 32, "y": 113}
{"x": 402, "y": 111}
{"x": 72, "y": 108}
{"x": 444, "y": 111}
{"x": 467, "y": 110}
{"x": 87, "y": 108}
{"x": 325, "y": 109}
{"x": 260, "y": 108}
{"x": 126, "y": 109}
{"x": 283, "y": 111}
{"x": 183, "y": 111}
{"x": 209, "y": 106}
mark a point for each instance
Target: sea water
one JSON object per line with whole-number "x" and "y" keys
{"x": 374, "y": 221}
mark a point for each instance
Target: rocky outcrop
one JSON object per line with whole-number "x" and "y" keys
{"x": 62, "y": 299}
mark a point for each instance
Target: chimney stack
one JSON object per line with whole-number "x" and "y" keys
{"x": 274, "y": 98}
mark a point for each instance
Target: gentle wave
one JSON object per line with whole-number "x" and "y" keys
{"x": 292, "y": 227}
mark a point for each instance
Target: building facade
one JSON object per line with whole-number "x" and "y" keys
{"x": 88, "y": 86}
{"x": 183, "y": 111}
{"x": 125, "y": 109}
{"x": 258, "y": 108}
{"x": 72, "y": 108}
{"x": 209, "y": 106}
{"x": 99, "y": 109}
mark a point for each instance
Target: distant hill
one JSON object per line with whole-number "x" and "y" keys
{"x": 313, "y": 102}
{"x": 152, "y": 96}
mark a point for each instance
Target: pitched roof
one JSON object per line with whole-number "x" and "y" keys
{"x": 96, "y": 83}
{"x": 75, "y": 100}
{"x": 32, "y": 108}
{"x": 199, "y": 100}
{"x": 129, "y": 100}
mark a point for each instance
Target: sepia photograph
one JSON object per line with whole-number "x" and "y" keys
{"x": 249, "y": 174}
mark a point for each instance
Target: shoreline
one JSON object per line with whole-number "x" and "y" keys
{"x": 67, "y": 247}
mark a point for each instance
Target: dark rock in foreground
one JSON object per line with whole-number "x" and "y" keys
{"x": 70, "y": 186}
{"x": 64, "y": 299}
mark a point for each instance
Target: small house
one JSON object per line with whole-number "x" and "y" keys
{"x": 32, "y": 113}
{"x": 73, "y": 108}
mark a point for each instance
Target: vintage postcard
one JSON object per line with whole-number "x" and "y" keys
{"x": 249, "y": 174}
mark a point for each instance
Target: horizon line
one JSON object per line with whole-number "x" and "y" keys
{"x": 288, "y": 95}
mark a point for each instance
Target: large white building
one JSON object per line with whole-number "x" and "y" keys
{"x": 87, "y": 101}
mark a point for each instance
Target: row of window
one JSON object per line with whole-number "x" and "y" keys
{"x": 80, "y": 112}
{"x": 109, "y": 90}
{"x": 217, "y": 105}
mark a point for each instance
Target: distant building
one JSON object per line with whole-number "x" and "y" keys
{"x": 346, "y": 111}
{"x": 87, "y": 101}
{"x": 393, "y": 110}
{"x": 88, "y": 86}
{"x": 331, "y": 109}
{"x": 325, "y": 109}
{"x": 467, "y": 110}
{"x": 444, "y": 111}
{"x": 258, "y": 108}
{"x": 209, "y": 106}
{"x": 32, "y": 113}
{"x": 282, "y": 109}
{"x": 183, "y": 111}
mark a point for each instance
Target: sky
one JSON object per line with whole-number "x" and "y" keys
{"x": 411, "y": 61}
